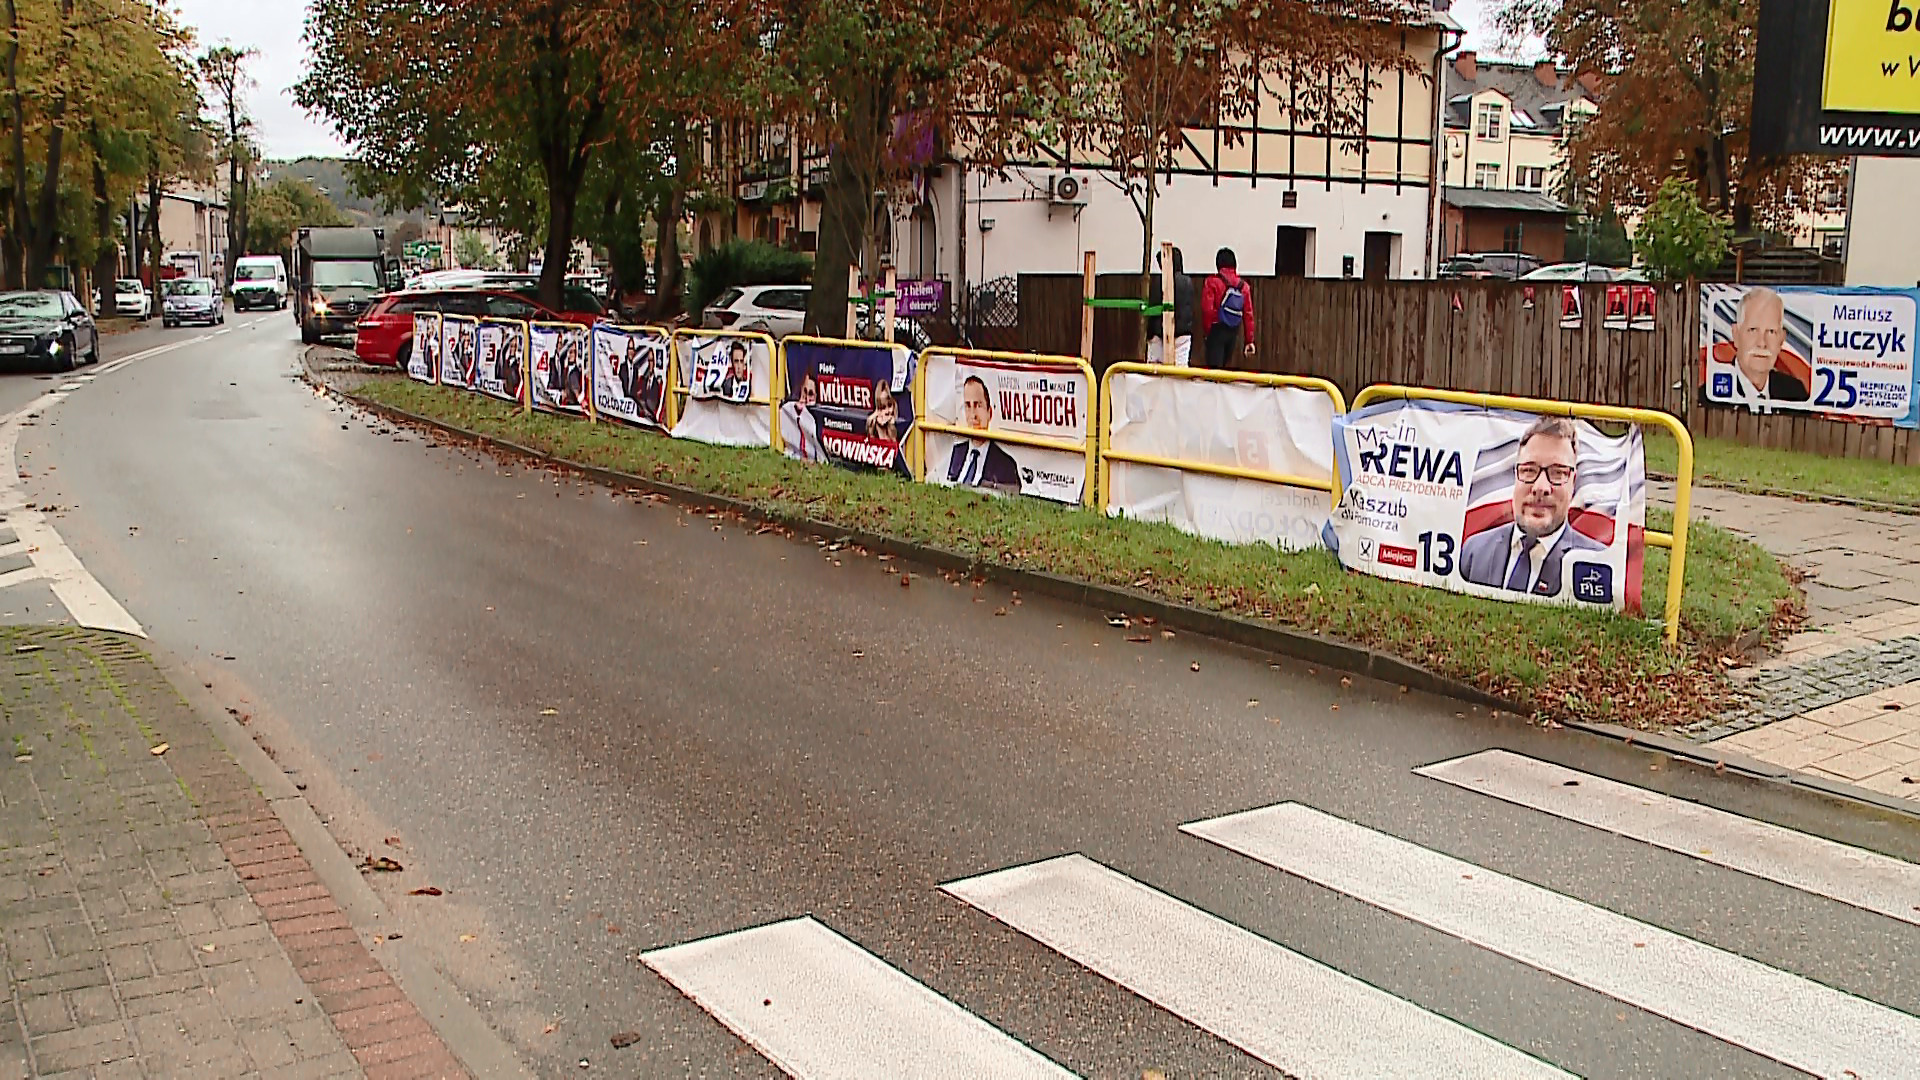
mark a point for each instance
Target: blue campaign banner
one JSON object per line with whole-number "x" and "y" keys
{"x": 849, "y": 403}
{"x": 1841, "y": 353}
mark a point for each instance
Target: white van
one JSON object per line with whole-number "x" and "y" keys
{"x": 259, "y": 281}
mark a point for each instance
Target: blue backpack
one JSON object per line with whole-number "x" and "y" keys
{"x": 1233, "y": 306}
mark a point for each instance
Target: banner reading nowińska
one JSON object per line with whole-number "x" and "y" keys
{"x": 1501, "y": 504}
{"x": 630, "y": 374}
{"x": 1845, "y": 353}
{"x": 848, "y": 404}
{"x": 1051, "y": 400}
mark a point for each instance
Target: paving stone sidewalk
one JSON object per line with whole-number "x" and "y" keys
{"x": 156, "y": 920}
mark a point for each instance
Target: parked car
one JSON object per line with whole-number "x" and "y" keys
{"x": 1464, "y": 268}
{"x": 191, "y": 299}
{"x": 48, "y": 327}
{"x": 780, "y": 310}
{"x": 1580, "y": 272}
{"x": 384, "y": 335}
{"x": 1496, "y": 265}
{"x": 131, "y": 300}
{"x": 259, "y": 281}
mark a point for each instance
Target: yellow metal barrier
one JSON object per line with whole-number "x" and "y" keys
{"x": 887, "y": 347}
{"x": 1087, "y": 447}
{"x": 1675, "y": 541}
{"x": 586, "y": 360}
{"x": 1104, "y": 436}
{"x": 776, "y": 384}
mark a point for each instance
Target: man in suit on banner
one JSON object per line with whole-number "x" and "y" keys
{"x": 1529, "y": 554}
{"x": 980, "y": 462}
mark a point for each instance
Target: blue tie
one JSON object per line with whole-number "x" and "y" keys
{"x": 973, "y": 467}
{"x": 1522, "y": 566}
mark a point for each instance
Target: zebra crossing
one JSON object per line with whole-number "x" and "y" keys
{"x": 818, "y": 1005}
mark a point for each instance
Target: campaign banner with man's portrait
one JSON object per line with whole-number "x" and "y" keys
{"x": 728, "y": 379}
{"x": 1278, "y": 430}
{"x": 1846, "y": 353}
{"x": 1503, "y": 504}
{"x": 557, "y": 360}
{"x": 459, "y": 351}
{"x": 423, "y": 359}
{"x": 851, "y": 404}
{"x": 503, "y": 359}
{"x": 630, "y": 374}
{"x": 1051, "y": 400}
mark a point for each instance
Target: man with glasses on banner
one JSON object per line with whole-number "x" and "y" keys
{"x": 1527, "y": 556}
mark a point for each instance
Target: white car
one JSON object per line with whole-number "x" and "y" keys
{"x": 1581, "y": 272}
{"x": 780, "y": 310}
{"x": 131, "y": 300}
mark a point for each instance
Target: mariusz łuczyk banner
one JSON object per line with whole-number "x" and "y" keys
{"x": 630, "y": 374}
{"x": 1844, "y": 352}
{"x": 557, "y": 358}
{"x": 848, "y": 404}
{"x": 1508, "y": 505}
{"x": 991, "y": 396}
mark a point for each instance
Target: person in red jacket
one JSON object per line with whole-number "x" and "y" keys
{"x": 1226, "y": 312}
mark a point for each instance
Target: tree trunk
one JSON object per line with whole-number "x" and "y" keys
{"x": 153, "y": 237}
{"x": 846, "y": 215}
{"x": 44, "y": 233}
{"x": 106, "y": 261}
{"x": 563, "y": 192}
{"x": 236, "y": 213}
{"x": 19, "y": 216}
{"x": 668, "y": 298}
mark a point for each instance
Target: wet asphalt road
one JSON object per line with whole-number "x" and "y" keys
{"x": 605, "y": 725}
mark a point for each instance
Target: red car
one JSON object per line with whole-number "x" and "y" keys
{"x": 384, "y": 335}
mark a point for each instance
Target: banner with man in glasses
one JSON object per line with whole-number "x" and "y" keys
{"x": 1504, "y": 504}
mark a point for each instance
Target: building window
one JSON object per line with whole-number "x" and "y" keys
{"x": 1489, "y": 125}
{"x": 1510, "y": 238}
{"x": 1486, "y": 174}
{"x": 1530, "y": 177}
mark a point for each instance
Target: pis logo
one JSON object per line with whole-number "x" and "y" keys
{"x": 1722, "y": 384}
{"x": 1593, "y": 583}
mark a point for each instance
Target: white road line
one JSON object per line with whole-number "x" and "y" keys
{"x": 72, "y": 385}
{"x": 12, "y": 547}
{"x": 20, "y": 576}
{"x": 1773, "y": 1013}
{"x": 817, "y": 1005}
{"x": 1812, "y": 864}
{"x": 1292, "y": 1012}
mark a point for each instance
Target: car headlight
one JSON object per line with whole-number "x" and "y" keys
{"x": 52, "y": 344}
{"x": 320, "y": 305}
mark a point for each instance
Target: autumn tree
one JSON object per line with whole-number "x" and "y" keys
{"x": 1676, "y": 88}
{"x": 223, "y": 69}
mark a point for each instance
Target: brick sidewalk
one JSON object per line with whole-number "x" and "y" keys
{"x": 158, "y": 920}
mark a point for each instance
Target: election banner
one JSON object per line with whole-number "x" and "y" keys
{"x": 1846, "y": 353}
{"x": 919, "y": 298}
{"x": 630, "y": 374}
{"x": 1504, "y": 504}
{"x": 423, "y": 359}
{"x": 1277, "y": 430}
{"x": 849, "y": 403}
{"x": 1837, "y": 77}
{"x": 998, "y": 396}
{"x": 557, "y": 359}
{"x": 503, "y": 359}
{"x": 459, "y": 351}
{"x": 728, "y": 380}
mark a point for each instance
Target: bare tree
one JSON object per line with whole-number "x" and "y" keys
{"x": 223, "y": 69}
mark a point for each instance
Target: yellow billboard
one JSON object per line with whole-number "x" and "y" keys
{"x": 1873, "y": 56}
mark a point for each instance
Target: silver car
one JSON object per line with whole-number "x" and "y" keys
{"x": 191, "y": 300}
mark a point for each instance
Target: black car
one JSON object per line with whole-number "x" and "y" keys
{"x": 44, "y": 326}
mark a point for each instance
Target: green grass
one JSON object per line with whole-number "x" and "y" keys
{"x": 1724, "y": 463}
{"x": 1563, "y": 662}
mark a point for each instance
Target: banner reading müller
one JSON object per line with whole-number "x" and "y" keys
{"x": 503, "y": 358}
{"x": 1844, "y": 352}
{"x": 557, "y": 358}
{"x": 459, "y": 351}
{"x": 630, "y": 374}
{"x": 728, "y": 382}
{"x": 423, "y": 359}
{"x": 1051, "y": 400}
{"x": 848, "y": 403}
{"x": 1496, "y": 503}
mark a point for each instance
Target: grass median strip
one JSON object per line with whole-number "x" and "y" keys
{"x": 1725, "y": 463}
{"x": 1565, "y": 663}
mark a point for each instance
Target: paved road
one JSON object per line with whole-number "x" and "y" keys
{"x": 606, "y": 728}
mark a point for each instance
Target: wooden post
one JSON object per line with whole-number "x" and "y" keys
{"x": 853, "y": 310}
{"x": 1087, "y": 279}
{"x": 892, "y": 305}
{"x": 1167, "y": 353}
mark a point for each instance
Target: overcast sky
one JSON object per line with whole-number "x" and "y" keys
{"x": 273, "y": 28}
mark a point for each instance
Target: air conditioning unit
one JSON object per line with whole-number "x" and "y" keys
{"x": 1066, "y": 190}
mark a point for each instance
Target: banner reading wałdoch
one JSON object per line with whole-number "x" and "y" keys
{"x": 1509, "y": 505}
{"x": 848, "y": 404}
{"x": 1845, "y": 352}
{"x": 728, "y": 380}
{"x": 1027, "y": 398}
{"x": 423, "y": 360}
{"x": 557, "y": 357}
{"x": 630, "y": 374}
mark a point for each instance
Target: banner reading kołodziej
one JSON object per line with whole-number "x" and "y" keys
{"x": 557, "y": 361}
{"x": 1024, "y": 397}
{"x": 848, "y": 403}
{"x": 1843, "y": 352}
{"x": 423, "y": 359}
{"x": 729, "y": 381}
{"x": 1279, "y": 430}
{"x": 503, "y": 352}
{"x": 459, "y": 351}
{"x": 630, "y": 374}
{"x": 1508, "y": 505}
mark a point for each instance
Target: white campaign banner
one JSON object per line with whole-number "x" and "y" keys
{"x": 459, "y": 352}
{"x": 728, "y": 380}
{"x": 630, "y": 374}
{"x": 1496, "y": 503}
{"x": 1270, "y": 429}
{"x": 1050, "y": 400}
{"x": 1847, "y": 353}
{"x": 423, "y": 359}
{"x": 557, "y": 359}
{"x": 503, "y": 353}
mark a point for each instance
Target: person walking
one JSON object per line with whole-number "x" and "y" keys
{"x": 1183, "y": 303}
{"x": 1226, "y": 312}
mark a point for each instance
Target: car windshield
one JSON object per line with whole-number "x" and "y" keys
{"x": 126, "y": 286}
{"x": 38, "y": 305}
{"x": 190, "y": 287}
{"x": 253, "y": 273}
{"x": 346, "y": 275}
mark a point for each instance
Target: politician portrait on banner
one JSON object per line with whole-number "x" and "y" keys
{"x": 999, "y": 396}
{"x": 423, "y": 357}
{"x": 726, "y": 380}
{"x": 630, "y": 374}
{"x": 459, "y": 352}
{"x": 848, "y": 404}
{"x": 1843, "y": 352}
{"x": 502, "y": 359}
{"x": 557, "y": 367}
{"x": 1506, "y": 504}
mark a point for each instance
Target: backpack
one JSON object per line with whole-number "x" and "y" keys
{"x": 1233, "y": 306}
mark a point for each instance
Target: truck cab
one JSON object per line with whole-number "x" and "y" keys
{"x": 338, "y": 273}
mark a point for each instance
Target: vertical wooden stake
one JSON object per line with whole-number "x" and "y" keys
{"x": 891, "y": 308}
{"x": 1086, "y": 310}
{"x": 1167, "y": 354}
{"x": 853, "y": 310}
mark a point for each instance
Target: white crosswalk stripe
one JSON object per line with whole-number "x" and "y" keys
{"x": 817, "y": 1005}
{"x": 1776, "y": 1014}
{"x": 1813, "y": 864}
{"x": 1277, "y": 1005}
